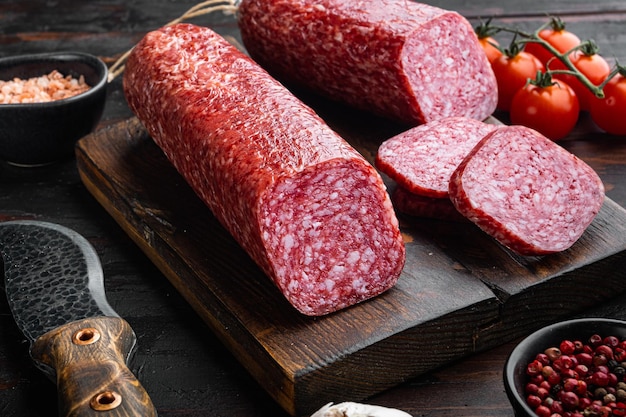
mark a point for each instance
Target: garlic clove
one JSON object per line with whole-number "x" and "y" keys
{"x": 350, "y": 409}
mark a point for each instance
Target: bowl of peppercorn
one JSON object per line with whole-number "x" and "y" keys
{"x": 47, "y": 102}
{"x": 575, "y": 368}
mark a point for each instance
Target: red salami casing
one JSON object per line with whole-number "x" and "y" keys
{"x": 312, "y": 213}
{"x": 405, "y": 60}
{"x": 422, "y": 159}
{"x": 428, "y": 207}
{"x": 526, "y": 191}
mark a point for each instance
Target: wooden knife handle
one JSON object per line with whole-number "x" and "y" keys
{"x": 89, "y": 358}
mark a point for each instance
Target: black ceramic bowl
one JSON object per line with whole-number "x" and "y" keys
{"x": 41, "y": 133}
{"x": 515, "y": 368}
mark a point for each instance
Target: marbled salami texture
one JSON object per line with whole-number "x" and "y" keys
{"x": 404, "y": 60}
{"x": 526, "y": 191}
{"x": 307, "y": 207}
{"x": 422, "y": 159}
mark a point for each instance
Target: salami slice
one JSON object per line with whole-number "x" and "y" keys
{"x": 422, "y": 159}
{"x": 404, "y": 60}
{"x": 308, "y": 208}
{"x": 526, "y": 191}
{"x": 428, "y": 207}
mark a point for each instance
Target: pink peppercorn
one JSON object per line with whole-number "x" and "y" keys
{"x": 600, "y": 379}
{"x": 611, "y": 341}
{"x": 569, "y": 400}
{"x": 604, "y": 350}
{"x": 579, "y": 380}
{"x": 543, "y": 358}
{"x": 584, "y": 358}
{"x": 563, "y": 362}
{"x": 581, "y": 370}
{"x": 533, "y": 401}
{"x": 534, "y": 368}
{"x": 543, "y": 411}
{"x": 567, "y": 347}
{"x": 595, "y": 340}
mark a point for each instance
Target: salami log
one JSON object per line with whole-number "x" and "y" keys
{"x": 529, "y": 193}
{"x": 308, "y": 208}
{"x": 404, "y": 60}
{"x": 422, "y": 159}
{"x": 428, "y": 207}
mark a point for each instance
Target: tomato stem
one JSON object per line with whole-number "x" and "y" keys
{"x": 619, "y": 69}
{"x": 543, "y": 79}
{"x": 485, "y": 29}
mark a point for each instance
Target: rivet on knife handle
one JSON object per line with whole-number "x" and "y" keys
{"x": 92, "y": 377}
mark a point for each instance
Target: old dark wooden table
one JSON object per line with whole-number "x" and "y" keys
{"x": 183, "y": 366}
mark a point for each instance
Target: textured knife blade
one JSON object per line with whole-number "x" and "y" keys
{"x": 52, "y": 275}
{"x": 55, "y": 288}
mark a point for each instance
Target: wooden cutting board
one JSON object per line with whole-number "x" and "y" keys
{"x": 459, "y": 293}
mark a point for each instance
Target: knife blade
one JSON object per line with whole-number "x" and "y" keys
{"x": 55, "y": 288}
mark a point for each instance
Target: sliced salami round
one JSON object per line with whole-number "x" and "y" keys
{"x": 526, "y": 191}
{"x": 422, "y": 159}
{"x": 404, "y": 60}
{"x": 308, "y": 208}
{"x": 427, "y": 207}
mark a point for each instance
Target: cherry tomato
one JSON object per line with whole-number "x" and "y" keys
{"x": 512, "y": 72}
{"x": 556, "y": 35}
{"x": 608, "y": 113}
{"x": 591, "y": 65}
{"x": 489, "y": 45}
{"x": 550, "y": 108}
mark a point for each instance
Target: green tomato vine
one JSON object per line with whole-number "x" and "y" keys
{"x": 521, "y": 38}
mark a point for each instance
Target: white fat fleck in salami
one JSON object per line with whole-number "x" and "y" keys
{"x": 306, "y": 206}
{"x": 422, "y": 159}
{"x": 526, "y": 191}
{"x": 404, "y": 60}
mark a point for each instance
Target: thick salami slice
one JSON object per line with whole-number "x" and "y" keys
{"x": 526, "y": 191}
{"x": 427, "y": 207}
{"x": 398, "y": 58}
{"x": 422, "y": 159}
{"x": 307, "y": 207}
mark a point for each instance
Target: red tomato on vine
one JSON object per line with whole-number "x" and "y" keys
{"x": 546, "y": 105}
{"x": 513, "y": 69}
{"x": 557, "y": 36}
{"x": 609, "y": 113}
{"x": 592, "y": 65}
{"x": 490, "y": 45}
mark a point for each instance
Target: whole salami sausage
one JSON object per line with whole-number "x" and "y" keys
{"x": 529, "y": 193}
{"x": 422, "y": 159}
{"x": 404, "y": 60}
{"x": 308, "y": 208}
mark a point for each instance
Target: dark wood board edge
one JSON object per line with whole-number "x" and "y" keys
{"x": 299, "y": 392}
{"x": 471, "y": 328}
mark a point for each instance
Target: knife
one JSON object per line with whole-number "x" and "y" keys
{"x": 55, "y": 288}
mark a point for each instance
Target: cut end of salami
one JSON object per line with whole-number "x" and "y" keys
{"x": 526, "y": 191}
{"x": 447, "y": 70}
{"x": 306, "y": 206}
{"x": 328, "y": 237}
{"x": 404, "y": 60}
{"x": 422, "y": 159}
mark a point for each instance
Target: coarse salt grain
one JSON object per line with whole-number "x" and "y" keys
{"x": 49, "y": 87}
